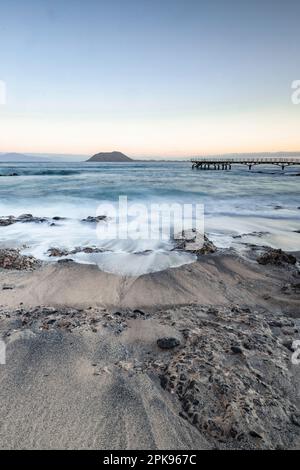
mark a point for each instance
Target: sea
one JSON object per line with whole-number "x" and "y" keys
{"x": 239, "y": 207}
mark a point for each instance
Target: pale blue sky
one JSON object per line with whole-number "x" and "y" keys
{"x": 149, "y": 77}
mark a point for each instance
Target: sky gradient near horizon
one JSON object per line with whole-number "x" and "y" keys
{"x": 149, "y": 78}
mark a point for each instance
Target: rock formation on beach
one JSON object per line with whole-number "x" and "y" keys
{"x": 110, "y": 157}
{"x": 277, "y": 257}
{"x": 12, "y": 259}
{"x": 194, "y": 242}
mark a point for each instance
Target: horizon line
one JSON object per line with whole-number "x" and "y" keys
{"x": 161, "y": 156}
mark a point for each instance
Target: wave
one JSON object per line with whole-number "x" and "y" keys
{"x": 235, "y": 203}
{"x": 18, "y": 172}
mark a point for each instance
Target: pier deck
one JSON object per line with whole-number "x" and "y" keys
{"x": 227, "y": 163}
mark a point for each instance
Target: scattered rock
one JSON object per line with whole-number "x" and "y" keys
{"x": 139, "y": 312}
{"x": 288, "y": 343}
{"x": 295, "y": 419}
{"x": 212, "y": 311}
{"x": 86, "y": 249}
{"x": 163, "y": 381}
{"x": 252, "y": 234}
{"x": 236, "y": 350}
{"x": 194, "y": 242}
{"x": 26, "y": 218}
{"x": 255, "y": 434}
{"x": 5, "y": 221}
{"x": 276, "y": 257}
{"x": 30, "y": 218}
{"x": 168, "y": 343}
{"x": 95, "y": 219}
{"x": 23, "y": 218}
{"x": 12, "y": 259}
{"x": 57, "y": 252}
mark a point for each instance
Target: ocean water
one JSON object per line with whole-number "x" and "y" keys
{"x": 240, "y": 206}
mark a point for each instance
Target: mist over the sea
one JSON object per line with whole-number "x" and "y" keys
{"x": 263, "y": 203}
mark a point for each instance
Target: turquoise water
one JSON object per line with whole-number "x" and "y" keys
{"x": 235, "y": 202}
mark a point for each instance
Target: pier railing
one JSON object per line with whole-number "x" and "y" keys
{"x": 223, "y": 163}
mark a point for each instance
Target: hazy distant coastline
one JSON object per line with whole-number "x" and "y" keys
{"x": 15, "y": 157}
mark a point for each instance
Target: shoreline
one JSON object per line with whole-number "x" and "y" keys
{"x": 85, "y": 368}
{"x": 219, "y": 278}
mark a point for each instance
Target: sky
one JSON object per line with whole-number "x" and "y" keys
{"x": 150, "y": 78}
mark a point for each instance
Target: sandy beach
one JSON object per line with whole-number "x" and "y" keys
{"x": 149, "y": 229}
{"x": 194, "y": 357}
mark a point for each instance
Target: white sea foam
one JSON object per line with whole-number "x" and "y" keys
{"x": 235, "y": 203}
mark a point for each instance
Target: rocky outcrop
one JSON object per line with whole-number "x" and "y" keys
{"x": 277, "y": 257}
{"x": 29, "y": 218}
{"x": 231, "y": 372}
{"x": 60, "y": 252}
{"x": 57, "y": 252}
{"x": 12, "y": 259}
{"x": 232, "y": 377}
{"x": 168, "y": 343}
{"x": 194, "y": 242}
{"x": 25, "y": 218}
{"x": 94, "y": 220}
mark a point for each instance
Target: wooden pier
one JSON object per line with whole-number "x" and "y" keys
{"x": 215, "y": 163}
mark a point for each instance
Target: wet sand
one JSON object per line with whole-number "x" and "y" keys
{"x": 220, "y": 278}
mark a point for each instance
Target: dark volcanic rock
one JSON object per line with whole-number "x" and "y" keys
{"x": 23, "y": 218}
{"x": 239, "y": 401}
{"x": 5, "y": 221}
{"x": 168, "y": 343}
{"x": 95, "y": 219}
{"x": 236, "y": 350}
{"x": 277, "y": 257}
{"x": 86, "y": 249}
{"x": 194, "y": 242}
{"x": 251, "y": 234}
{"x": 57, "y": 252}
{"x": 12, "y": 259}
{"x": 30, "y": 218}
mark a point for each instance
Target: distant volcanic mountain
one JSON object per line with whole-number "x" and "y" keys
{"x": 110, "y": 157}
